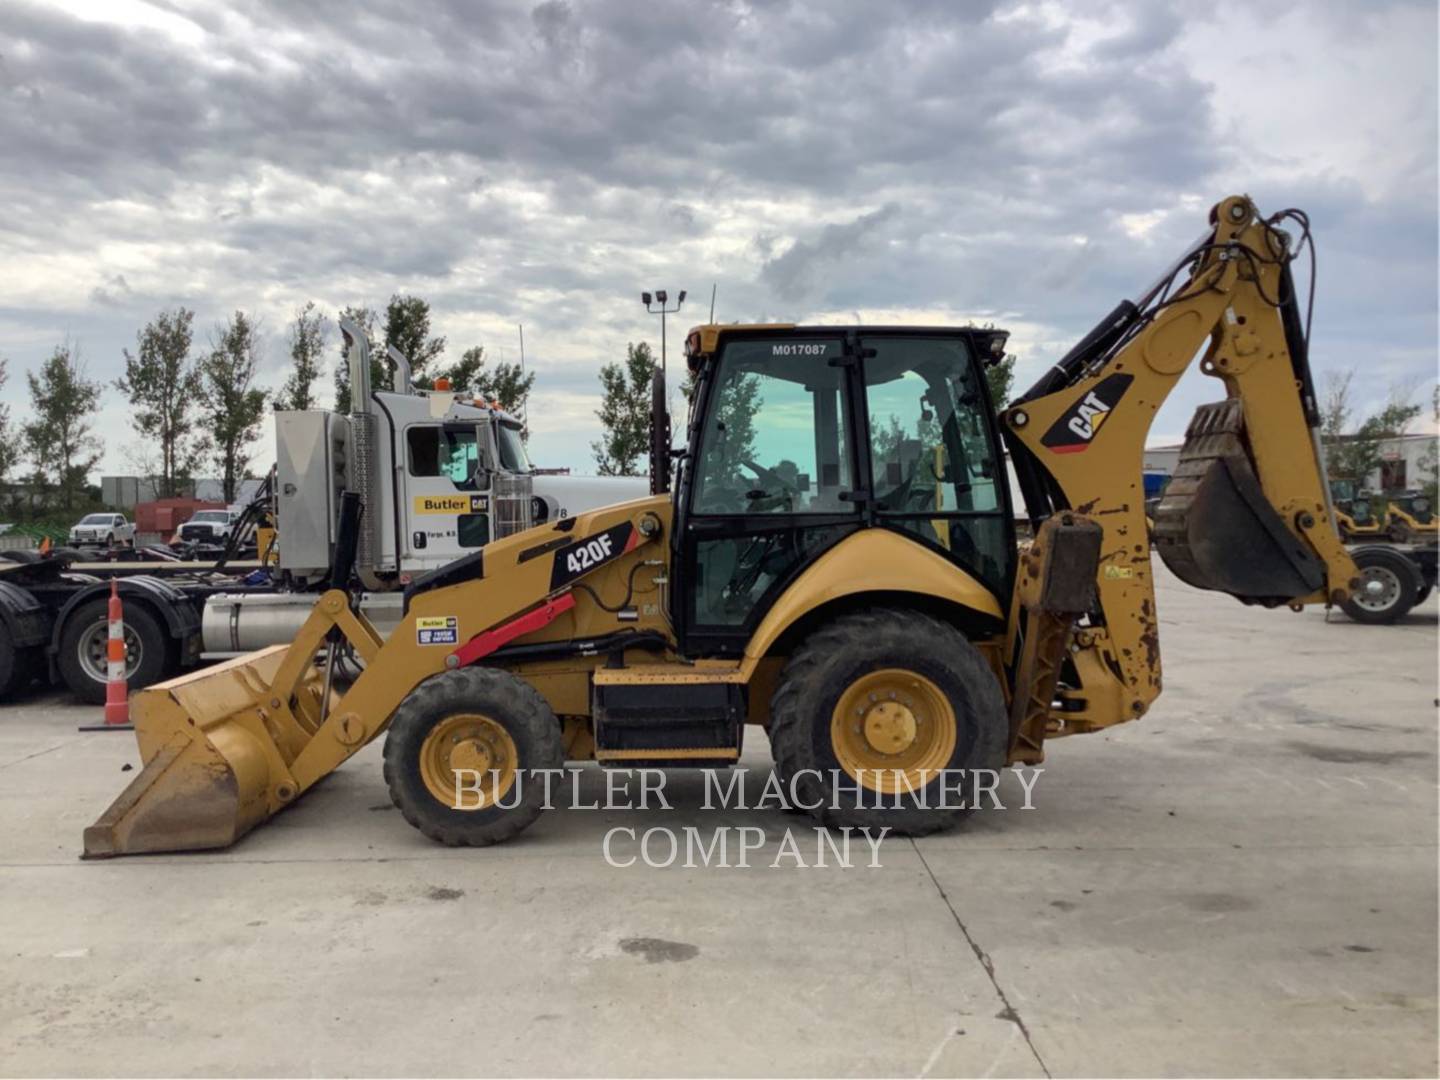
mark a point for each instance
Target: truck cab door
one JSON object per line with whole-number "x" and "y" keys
{"x": 445, "y": 504}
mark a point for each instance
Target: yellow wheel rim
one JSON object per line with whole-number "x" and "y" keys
{"x": 893, "y": 730}
{"x": 475, "y": 750}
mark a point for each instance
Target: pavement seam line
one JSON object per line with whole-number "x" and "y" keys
{"x": 37, "y": 753}
{"x": 1010, "y": 1013}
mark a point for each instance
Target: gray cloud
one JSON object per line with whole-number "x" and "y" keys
{"x": 541, "y": 163}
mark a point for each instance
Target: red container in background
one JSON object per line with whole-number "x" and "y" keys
{"x": 164, "y": 516}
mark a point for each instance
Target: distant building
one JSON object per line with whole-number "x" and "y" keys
{"x": 124, "y": 492}
{"x": 1406, "y": 462}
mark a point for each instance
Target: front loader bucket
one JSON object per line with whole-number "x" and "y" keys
{"x": 1214, "y": 526}
{"x": 217, "y": 754}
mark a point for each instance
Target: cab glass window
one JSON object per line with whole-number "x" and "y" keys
{"x": 452, "y": 452}
{"x": 935, "y": 469}
{"x": 774, "y": 439}
{"x": 512, "y": 448}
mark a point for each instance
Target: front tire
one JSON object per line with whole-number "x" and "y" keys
{"x": 1390, "y": 586}
{"x": 150, "y": 651}
{"x": 486, "y": 721}
{"x": 886, "y": 706}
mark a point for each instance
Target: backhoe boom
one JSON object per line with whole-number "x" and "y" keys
{"x": 1247, "y": 509}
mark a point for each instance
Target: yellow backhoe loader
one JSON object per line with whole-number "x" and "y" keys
{"x": 1410, "y": 519}
{"x": 1355, "y": 519}
{"x": 835, "y": 561}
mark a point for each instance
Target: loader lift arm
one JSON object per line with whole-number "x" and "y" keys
{"x": 1247, "y": 511}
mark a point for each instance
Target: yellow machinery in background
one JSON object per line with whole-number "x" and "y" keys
{"x": 1357, "y": 520}
{"x": 835, "y": 561}
{"x": 1410, "y": 518}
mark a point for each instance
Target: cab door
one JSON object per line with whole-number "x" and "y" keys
{"x": 771, "y": 483}
{"x": 936, "y": 470}
{"x": 446, "y": 498}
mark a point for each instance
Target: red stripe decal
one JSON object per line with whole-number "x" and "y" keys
{"x": 485, "y": 643}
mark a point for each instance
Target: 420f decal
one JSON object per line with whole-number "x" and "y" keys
{"x": 1079, "y": 423}
{"x": 588, "y": 552}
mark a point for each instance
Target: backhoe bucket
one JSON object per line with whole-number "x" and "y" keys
{"x": 1214, "y": 526}
{"x": 217, "y": 754}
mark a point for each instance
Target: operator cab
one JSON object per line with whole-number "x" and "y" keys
{"x": 801, "y": 436}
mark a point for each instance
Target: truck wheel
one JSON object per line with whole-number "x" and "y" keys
{"x": 18, "y": 667}
{"x": 886, "y": 707}
{"x": 150, "y": 652}
{"x": 1389, "y": 585}
{"x": 475, "y": 727}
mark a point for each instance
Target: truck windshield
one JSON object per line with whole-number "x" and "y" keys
{"x": 96, "y": 519}
{"x": 512, "y": 448}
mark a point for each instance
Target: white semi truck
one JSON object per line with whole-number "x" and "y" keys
{"x": 439, "y": 473}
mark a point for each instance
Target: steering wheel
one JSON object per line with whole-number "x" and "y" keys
{"x": 776, "y": 487}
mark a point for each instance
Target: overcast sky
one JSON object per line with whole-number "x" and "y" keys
{"x": 1024, "y": 164}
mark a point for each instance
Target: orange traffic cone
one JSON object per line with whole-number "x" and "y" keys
{"x": 117, "y": 701}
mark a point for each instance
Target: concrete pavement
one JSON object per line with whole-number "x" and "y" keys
{"x": 1242, "y": 883}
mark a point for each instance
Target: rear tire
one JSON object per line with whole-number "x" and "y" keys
{"x": 1389, "y": 586}
{"x": 479, "y": 719}
{"x": 81, "y": 659}
{"x": 927, "y": 678}
{"x": 19, "y": 667}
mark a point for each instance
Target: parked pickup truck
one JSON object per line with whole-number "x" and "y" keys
{"x": 103, "y": 530}
{"x": 205, "y": 527}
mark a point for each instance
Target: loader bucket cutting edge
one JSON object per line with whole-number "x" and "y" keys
{"x": 210, "y": 760}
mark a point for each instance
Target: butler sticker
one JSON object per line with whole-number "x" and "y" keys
{"x": 451, "y": 504}
{"x": 437, "y": 630}
{"x": 1080, "y": 423}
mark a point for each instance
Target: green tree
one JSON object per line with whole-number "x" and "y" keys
{"x": 234, "y": 406}
{"x": 59, "y": 440}
{"x": 9, "y": 442}
{"x": 163, "y": 385}
{"x": 1001, "y": 377}
{"x": 1353, "y": 456}
{"x": 625, "y": 413}
{"x": 365, "y": 319}
{"x": 307, "y": 344}
{"x": 505, "y": 382}
{"x": 407, "y": 327}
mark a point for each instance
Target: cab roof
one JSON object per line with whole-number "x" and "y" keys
{"x": 704, "y": 340}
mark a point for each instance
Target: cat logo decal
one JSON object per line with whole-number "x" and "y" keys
{"x": 1080, "y": 423}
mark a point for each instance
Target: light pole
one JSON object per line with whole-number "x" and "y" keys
{"x": 660, "y": 297}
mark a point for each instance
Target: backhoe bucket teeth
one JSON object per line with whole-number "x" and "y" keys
{"x": 217, "y": 756}
{"x": 1214, "y": 526}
